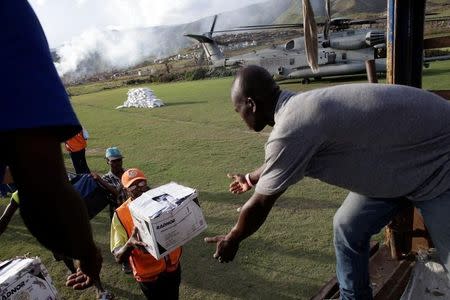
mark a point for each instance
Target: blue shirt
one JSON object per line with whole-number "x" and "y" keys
{"x": 33, "y": 95}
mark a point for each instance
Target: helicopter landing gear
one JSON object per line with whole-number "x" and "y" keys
{"x": 305, "y": 81}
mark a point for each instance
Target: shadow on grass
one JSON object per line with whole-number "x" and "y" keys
{"x": 285, "y": 202}
{"x": 263, "y": 268}
{"x": 184, "y": 103}
{"x": 247, "y": 279}
{"x": 122, "y": 293}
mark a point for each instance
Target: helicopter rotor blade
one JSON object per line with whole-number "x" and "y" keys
{"x": 326, "y": 27}
{"x": 213, "y": 25}
{"x": 244, "y": 28}
{"x": 201, "y": 38}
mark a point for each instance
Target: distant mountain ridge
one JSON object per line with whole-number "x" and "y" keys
{"x": 339, "y": 8}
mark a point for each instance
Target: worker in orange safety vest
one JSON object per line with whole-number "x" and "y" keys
{"x": 76, "y": 146}
{"x": 158, "y": 279}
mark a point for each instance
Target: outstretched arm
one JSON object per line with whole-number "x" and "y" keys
{"x": 251, "y": 217}
{"x": 49, "y": 205}
{"x": 105, "y": 185}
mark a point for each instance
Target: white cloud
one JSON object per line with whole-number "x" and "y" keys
{"x": 64, "y": 19}
{"x": 41, "y": 2}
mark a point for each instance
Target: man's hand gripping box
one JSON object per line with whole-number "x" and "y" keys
{"x": 25, "y": 278}
{"x": 167, "y": 217}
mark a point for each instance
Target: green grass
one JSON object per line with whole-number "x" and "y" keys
{"x": 195, "y": 140}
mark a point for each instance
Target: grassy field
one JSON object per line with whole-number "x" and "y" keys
{"x": 195, "y": 140}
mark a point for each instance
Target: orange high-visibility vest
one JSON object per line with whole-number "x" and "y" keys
{"x": 76, "y": 143}
{"x": 145, "y": 266}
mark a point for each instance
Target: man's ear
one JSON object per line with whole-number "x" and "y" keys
{"x": 250, "y": 102}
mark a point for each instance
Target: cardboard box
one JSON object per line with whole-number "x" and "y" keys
{"x": 25, "y": 278}
{"x": 167, "y": 217}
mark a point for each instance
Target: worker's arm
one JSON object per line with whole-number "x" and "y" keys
{"x": 252, "y": 216}
{"x": 121, "y": 254}
{"x": 7, "y": 215}
{"x": 240, "y": 185}
{"x": 51, "y": 209}
{"x": 112, "y": 190}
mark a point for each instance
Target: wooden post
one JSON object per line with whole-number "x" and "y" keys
{"x": 371, "y": 71}
{"x": 405, "y": 25}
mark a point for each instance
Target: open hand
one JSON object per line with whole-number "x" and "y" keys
{"x": 135, "y": 240}
{"x": 79, "y": 280}
{"x": 225, "y": 249}
{"x": 88, "y": 270}
{"x": 239, "y": 184}
{"x": 95, "y": 176}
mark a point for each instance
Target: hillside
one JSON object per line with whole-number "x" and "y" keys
{"x": 346, "y": 8}
{"x": 112, "y": 51}
{"x": 339, "y": 8}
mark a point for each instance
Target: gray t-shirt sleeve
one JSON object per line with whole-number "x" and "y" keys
{"x": 286, "y": 162}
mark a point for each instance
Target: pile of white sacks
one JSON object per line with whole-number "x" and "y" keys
{"x": 141, "y": 97}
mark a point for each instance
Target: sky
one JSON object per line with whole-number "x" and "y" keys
{"x": 62, "y": 20}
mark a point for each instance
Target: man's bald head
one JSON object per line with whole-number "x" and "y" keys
{"x": 254, "y": 94}
{"x": 255, "y": 82}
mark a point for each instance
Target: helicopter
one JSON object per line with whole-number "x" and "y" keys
{"x": 342, "y": 50}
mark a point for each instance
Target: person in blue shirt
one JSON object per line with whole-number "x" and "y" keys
{"x": 36, "y": 117}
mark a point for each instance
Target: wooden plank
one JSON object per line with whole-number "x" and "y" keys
{"x": 398, "y": 233}
{"x": 328, "y": 290}
{"x": 437, "y": 42}
{"x": 389, "y": 276}
{"x": 421, "y": 238}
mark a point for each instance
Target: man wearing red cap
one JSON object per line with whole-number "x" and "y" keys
{"x": 158, "y": 279}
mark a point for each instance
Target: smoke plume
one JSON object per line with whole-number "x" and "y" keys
{"x": 98, "y": 51}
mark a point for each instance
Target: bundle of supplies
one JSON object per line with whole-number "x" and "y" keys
{"x": 167, "y": 217}
{"x": 141, "y": 97}
{"x": 25, "y": 278}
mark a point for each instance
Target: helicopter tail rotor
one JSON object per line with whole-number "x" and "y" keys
{"x": 210, "y": 46}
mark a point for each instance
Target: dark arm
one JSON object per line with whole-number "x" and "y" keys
{"x": 240, "y": 185}
{"x": 256, "y": 174}
{"x": 7, "y": 215}
{"x": 121, "y": 254}
{"x": 251, "y": 217}
{"x": 49, "y": 205}
{"x": 253, "y": 214}
{"x": 112, "y": 190}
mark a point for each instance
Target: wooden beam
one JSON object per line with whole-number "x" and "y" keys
{"x": 371, "y": 71}
{"x": 389, "y": 276}
{"x": 437, "y": 42}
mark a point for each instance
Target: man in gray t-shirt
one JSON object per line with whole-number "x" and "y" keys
{"x": 385, "y": 143}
